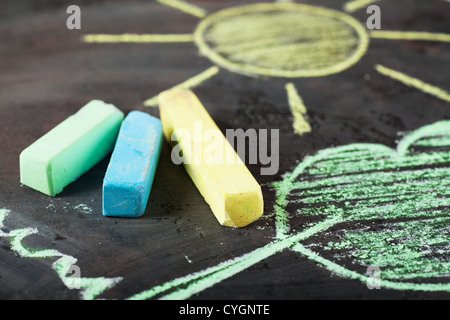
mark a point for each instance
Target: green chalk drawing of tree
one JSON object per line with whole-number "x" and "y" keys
{"x": 407, "y": 189}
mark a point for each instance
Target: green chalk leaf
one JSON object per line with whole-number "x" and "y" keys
{"x": 400, "y": 197}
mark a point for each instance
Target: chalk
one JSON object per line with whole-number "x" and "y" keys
{"x": 228, "y": 187}
{"x": 129, "y": 177}
{"x": 71, "y": 148}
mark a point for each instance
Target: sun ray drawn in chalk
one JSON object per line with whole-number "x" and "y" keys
{"x": 298, "y": 110}
{"x": 355, "y": 5}
{"x": 410, "y": 35}
{"x": 137, "y": 38}
{"x": 187, "y": 84}
{"x": 186, "y": 7}
{"x": 414, "y": 82}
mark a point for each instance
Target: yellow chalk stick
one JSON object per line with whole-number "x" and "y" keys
{"x": 222, "y": 178}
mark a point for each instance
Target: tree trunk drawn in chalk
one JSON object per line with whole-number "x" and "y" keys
{"x": 397, "y": 200}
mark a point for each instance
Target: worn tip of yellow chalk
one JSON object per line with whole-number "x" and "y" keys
{"x": 223, "y": 180}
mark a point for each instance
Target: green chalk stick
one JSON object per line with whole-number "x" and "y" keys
{"x": 71, "y": 148}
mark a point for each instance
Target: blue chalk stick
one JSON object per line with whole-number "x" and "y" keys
{"x": 129, "y": 177}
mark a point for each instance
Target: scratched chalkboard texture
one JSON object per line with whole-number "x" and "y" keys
{"x": 357, "y": 210}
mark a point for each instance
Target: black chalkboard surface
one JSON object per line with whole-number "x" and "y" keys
{"x": 358, "y": 208}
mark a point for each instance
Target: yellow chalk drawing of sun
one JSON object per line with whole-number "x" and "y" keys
{"x": 281, "y": 39}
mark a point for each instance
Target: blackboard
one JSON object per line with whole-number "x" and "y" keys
{"x": 396, "y": 84}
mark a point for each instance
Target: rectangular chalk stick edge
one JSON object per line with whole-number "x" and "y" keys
{"x": 231, "y": 191}
{"x": 71, "y": 148}
{"x": 129, "y": 177}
